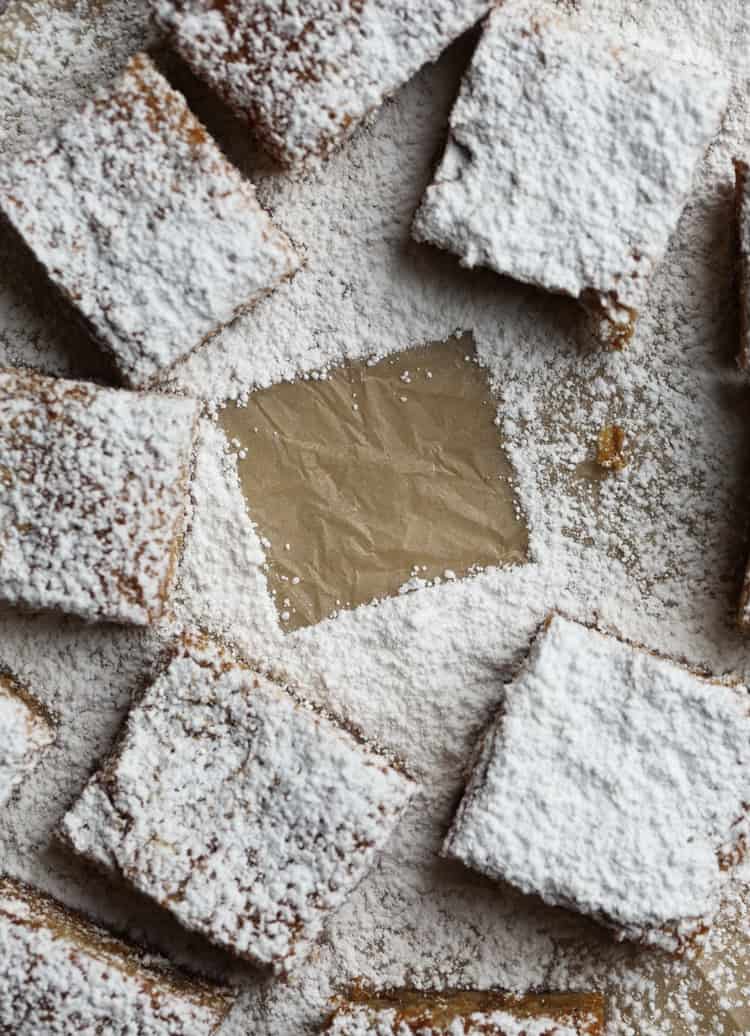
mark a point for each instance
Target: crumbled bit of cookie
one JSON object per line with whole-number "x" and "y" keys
{"x": 306, "y": 72}
{"x": 568, "y": 162}
{"x": 61, "y": 974}
{"x": 614, "y": 782}
{"x": 143, "y": 224}
{"x": 93, "y": 506}
{"x": 610, "y": 448}
{"x": 242, "y": 811}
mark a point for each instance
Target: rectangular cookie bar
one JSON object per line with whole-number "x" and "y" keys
{"x": 615, "y": 783}
{"x": 409, "y": 1013}
{"x": 94, "y": 495}
{"x": 742, "y": 211}
{"x": 61, "y": 974}
{"x": 568, "y": 162}
{"x": 143, "y": 224}
{"x": 26, "y": 728}
{"x": 245, "y": 813}
{"x": 306, "y": 72}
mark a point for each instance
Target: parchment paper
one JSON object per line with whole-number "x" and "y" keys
{"x": 376, "y": 475}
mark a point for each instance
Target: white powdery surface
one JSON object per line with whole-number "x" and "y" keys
{"x": 24, "y": 731}
{"x": 63, "y": 975}
{"x": 307, "y": 72}
{"x": 495, "y": 1023}
{"x": 568, "y": 162}
{"x": 94, "y": 496}
{"x": 615, "y": 783}
{"x": 240, "y": 809}
{"x": 142, "y": 223}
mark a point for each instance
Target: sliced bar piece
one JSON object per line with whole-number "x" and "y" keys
{"x": 742, "y": 209}
{"x": 408, "y": 1013}
{"x": 306, "y": 72}
{"x": 94, "y": 494}
{"x": 614, "y": 782}
{"x": 236, "y": 806}
{"x": 143, "y": 224}
{"x": 568, "y": 163}
{"x": 61, "y": 974}
{"x": 25, "y": 729}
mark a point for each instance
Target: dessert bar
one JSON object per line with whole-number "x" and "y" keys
{"x": 25, "y": 729}
{"x": 94, "y": 495}
{"x": 568, "y": 162}
{"x": 408, "y": 1013}
{"x": 306, "y": 72}
{"x": 236, "y": 806}
{"x": 62, "y": 974}
{"x": 614, "y": 782}
{"x": 143, "y": 224}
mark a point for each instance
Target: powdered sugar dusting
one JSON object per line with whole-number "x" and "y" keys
{"x": 246, "y": 814}
{"x": 362, "y": 1022}
{"x": 613, "y": 783}
{"x": 24, "y": 732}
{"x": 306, "y": 73}
{"x": 95, "y": 489}
{"x": 656, "y": 551}
{"x": 62, "y": 975}
{"x": 568, "y": 161}
{"x": 143, "y": 225}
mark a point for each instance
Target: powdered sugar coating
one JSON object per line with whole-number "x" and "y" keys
{"x": 306, "y": 72}
{"x": 63, "y": 975}
{"x": 362, "y": 1022}
{"x": 94, "y": 495}
{"x": 615, "y": 783}
{"x": 445, "y": 1016}
{"x": 568, "y": 162}
{"x": 245, "y": 813}
{"x": 24, "y": 731}
{"x": 143, "y": 225}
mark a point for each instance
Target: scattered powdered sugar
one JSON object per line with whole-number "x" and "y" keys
{"x": 62, "y": 975}
{"x": 613, "y": 782}
{"x": 142, "y": 224}
{"x": 568, "y": 161}
{"x": 24, "y": 731}
{"x": 244, "y": 812}
{"x": 742, "y": 214}
{"x": 306, "y": 72}
{"x": 655, "y": 551}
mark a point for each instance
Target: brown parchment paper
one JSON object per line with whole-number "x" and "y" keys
{"x": 380, "y": 473}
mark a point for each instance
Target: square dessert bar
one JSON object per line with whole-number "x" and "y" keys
{"x": 409, "y": 1013}
{"x": 245, "y": 813}
{"x": 26, "y": 728}
{"x": 742, "y": 211}
{"x": 94, "y": 495}
{"x": 143, "y": 224}
{"x": 568, "y": 162}
{"x": 615, "y": 783}
{"x": 62, "y": 974}
{"x": 306, "y": 72}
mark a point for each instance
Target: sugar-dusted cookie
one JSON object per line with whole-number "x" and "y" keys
{"x": 306, "y": 72}
{"x": 26, "y": 728}
{"x": 236, "y": 806}
{"x": 142, "y": 223}
{"x": 408, "y": 1013}
{"x": 94, "y": 490}
{"x": 615, "y": 783}
{"x": 568, "y": 163}
{"x": 61, "y": 974}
